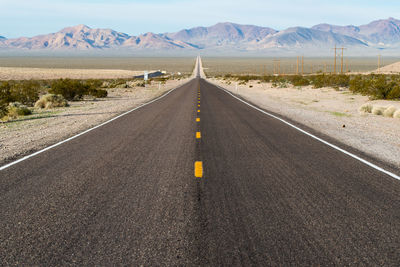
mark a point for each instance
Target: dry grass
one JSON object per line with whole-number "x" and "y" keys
{"x": 366, "y": 108}
{"x": 16, "y": 110}
{"x": 51, "y": 101}
{"x": 377, "y": 110}
{"x": 397, "y": 114}
{"x": 389, "y": 112}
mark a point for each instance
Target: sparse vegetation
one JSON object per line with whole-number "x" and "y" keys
{"x": 377, "y": 86}
{"x": 366, "y": 108}
{"x": 16, "y": 109}
{"x": 56, "y": 93}
{"x": 389, "y": 112}
{"x": 339, "y": 114}
{"x": 377, "y": 110}
{"x": 17, "y": 96}
{"x": 51, "y": 101}
{"x": 75, "y": 89}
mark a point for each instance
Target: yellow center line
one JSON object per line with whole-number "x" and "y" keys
{"x": 198, "y": 135}
{"x": 198, "y": 111}
{"x": 198, "y": 169}
{"x": 198, "y": 119}
{"x": 198, "y": 105}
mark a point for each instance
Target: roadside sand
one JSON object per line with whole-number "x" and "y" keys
{"x": 327, "y": 110}
{"x": 390, "y": 69}
{"x": 49, "y": 74}
{"x": 48, "y": 127}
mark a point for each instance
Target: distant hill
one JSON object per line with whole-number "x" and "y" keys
{"x": 82, "y": 37}
{"x": 299, "y": 37}
{"x": 223, "y": 37}
{"x": 377, "y": 33}
{"x": 222, "y": 34}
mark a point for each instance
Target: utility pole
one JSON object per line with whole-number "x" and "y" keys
{"x": 341, "y": 65}
{"x": 297, "y": 66}
{"x": 334, "y": 67}
{"x": 325, "y": 68}
{"x": 277, "y": 66}
{"x": 273, "y": 63}
{"x": 302, "y": 65}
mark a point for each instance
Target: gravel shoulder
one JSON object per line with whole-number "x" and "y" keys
{"x": 47, "y": 127}
{"x": 331, "y": 112}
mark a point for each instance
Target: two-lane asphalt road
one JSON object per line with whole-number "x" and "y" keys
{"x": 126, "y": 194}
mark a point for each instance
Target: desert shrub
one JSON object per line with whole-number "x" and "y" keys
{"x": 377, "y": 110}
{"x": 98, "y": 93}
{"x": 341, "y": 80}
{"x": 366, "y": 108}
{"x": 25, "y": 92}
{"x": 118, "y": 83}
{"x": 394, "y": 92}
{"x": 318, "y": 81}
{"x": 3, "y": 110}
{"x": 397, "y": 114}
{"x": 51, "y": 101}
{"x": 357, "y": 85}
{"x": 141, "y": 84}
{"x": 298, "y": 80}
{"x": 16, "y": 109}
{"x": 94, "y": 83}
{"x": 75, "y": 90}
{"x": 5, "y": 98}
{"x": 247, "y": 78}
{"x": 69, "y": 89}
{"x": 334, "y": 81}
{"x": 379, "y": 87}
{"x": 376, "y": 86}
{"x": 267, "y": 78}
{"x": 389, "y": 112}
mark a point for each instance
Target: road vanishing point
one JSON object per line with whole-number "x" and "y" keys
{"x": 198, "y": 178}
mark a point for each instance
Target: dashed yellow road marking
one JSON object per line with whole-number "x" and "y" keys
{"x": 198, "y": 135}
{"x": 198, "y": 169}
{"x": 198, "y": 119}
{"x": 198, "y": 111}
{"x": 198, "y": 105}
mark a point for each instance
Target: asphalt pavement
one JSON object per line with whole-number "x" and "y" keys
{"x": 262, "y": 194}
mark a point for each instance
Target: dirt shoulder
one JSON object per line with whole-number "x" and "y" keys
{"x": 331, "y": 112}
{"x": 47, "y": 127}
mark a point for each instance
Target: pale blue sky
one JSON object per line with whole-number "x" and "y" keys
{"x": 32, "y": 17}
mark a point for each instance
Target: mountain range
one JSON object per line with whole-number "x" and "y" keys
{"x": 224, "y": 37}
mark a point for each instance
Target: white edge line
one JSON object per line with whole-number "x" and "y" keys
{"x": 315, "y": 137}
{"x": 89, "y": 130}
